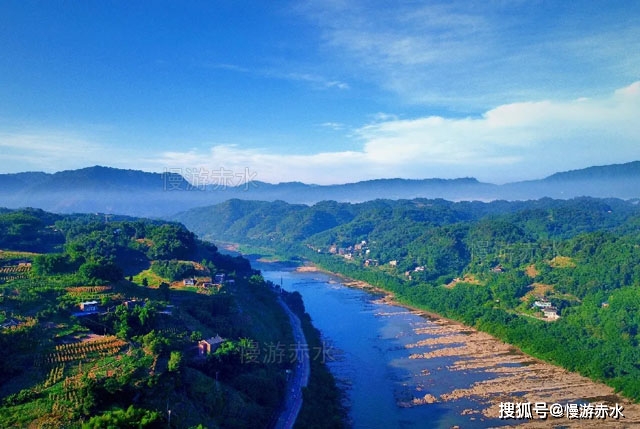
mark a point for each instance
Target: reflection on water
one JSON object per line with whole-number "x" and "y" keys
{"x": 369, "y": 340}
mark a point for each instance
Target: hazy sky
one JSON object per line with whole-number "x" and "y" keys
{"x": 322, "y": 91}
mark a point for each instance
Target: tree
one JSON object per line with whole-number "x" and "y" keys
{"x": 122, "y": 327}
{"x": 173, "y": 270}
{"x": 131, "y": 418}
{"x": 95, "y": 272}
{"x": 54, "y": 263}
{"x": 155, "y": 342}
{"x": 165, "y": 289}
{"x": 171, "y": 241}
{"x": 175, "y": 361}
{"x": 146, "y": 314}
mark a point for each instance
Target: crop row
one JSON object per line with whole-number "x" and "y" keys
{"x": 87, "y": 289}
{"x": 57, "y": 358}
{"x": 14, "y": 269}
{"x": 55, "y": 375}
{"x": 61, "y": 401}
{"x": 7, "y": 278}
{"x": 82, "y": 351}
{"x": 100, "y": 342}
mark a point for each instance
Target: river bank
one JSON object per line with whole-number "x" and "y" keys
{"x": 509, "y": 375}
{"x": 385, "y": 296}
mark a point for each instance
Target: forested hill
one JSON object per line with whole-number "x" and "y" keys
{"x": 330, "y": 222}
{"x": 124, "y": 322}
{"x": 497, "y": 266}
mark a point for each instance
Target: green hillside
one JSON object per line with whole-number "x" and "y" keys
{"x": 101, "y": 327}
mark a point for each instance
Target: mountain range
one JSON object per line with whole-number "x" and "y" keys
{"x": 133, "y": 192}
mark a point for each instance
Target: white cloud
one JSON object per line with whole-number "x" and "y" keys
{"x": 474, "y": 55}
{"x": 46, "y": 150}
{"x": 335, "y": 126}
{"x": 382, "y": 116}
{"x": 514, "y": 141}
{"x": 231, "y": 67}
{"x": 316, "y": 80}
{"x": 52, "y": 150}
{"x": 511, "y": 142}
{"x": 269, "y": 167}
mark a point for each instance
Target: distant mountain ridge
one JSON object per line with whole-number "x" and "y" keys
{"x": 138, "y": 193}
{"x": 90, "y": 177}
{"x": 614, "y": 171}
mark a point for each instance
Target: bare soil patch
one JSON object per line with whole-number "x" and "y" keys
{"x": 513, "y": 377}
{"x": 562, "y": 262}
{"x": 532, "y": 271}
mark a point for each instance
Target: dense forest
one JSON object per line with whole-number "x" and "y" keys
{"x": 558, "y": 278}
{"x": 102, "y": 320}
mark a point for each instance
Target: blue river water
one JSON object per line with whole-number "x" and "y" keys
{"x": 367, "y": 339}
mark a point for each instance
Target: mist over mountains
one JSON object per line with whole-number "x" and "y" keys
{"x": 138, "y": 193}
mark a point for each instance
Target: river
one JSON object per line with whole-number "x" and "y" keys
{"x": 368, "y": 339}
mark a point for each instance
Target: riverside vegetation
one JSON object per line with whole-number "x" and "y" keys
{"x": 485, "y": 264}
{"x": 134, "y": 361}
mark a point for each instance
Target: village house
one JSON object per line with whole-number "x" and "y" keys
{"x": 89, "y": 306}
{"x": 189, "y": 282}
{"x": 9, "y": 324}
{"x": 551, "y": 313}
{"x": 393, "y": 263}
{"x": 543, "y": 303}
{"x": 130, "y": 305}
{"x": 209, "y": 345}
{"x": 360, "y": 246}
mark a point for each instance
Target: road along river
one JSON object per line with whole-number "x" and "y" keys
{"x": 401, "y": 369}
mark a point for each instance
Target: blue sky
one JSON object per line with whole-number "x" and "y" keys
{"x": 321, "y": 91}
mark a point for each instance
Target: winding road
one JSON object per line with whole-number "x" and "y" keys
{"x": 299, "y": 374}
